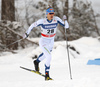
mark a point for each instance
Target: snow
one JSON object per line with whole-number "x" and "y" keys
{"x": 11, "y": 75}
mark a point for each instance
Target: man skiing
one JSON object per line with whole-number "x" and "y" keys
{"x": 48, "y": 27}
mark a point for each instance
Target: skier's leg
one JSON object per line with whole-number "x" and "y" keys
{"x": 42, "y": 43}
{"x": 47, "y": 55}
{"x": 41, "y": 57}
{"x": 47, "y": 52}
{"x": 48, "y": 60}
{"x": 38, "y": 60}
{"x": 46, "y": 46}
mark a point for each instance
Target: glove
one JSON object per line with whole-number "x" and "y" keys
{"x": 64, "y": 17}
{"x": 25, "y": 35}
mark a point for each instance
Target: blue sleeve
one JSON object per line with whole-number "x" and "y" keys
{"x": 66, "y": 25}
{"x": 35, "y": 24}
{"x": 60, "y": 21}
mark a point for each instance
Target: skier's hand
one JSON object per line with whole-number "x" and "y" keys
{"x": 25, "y": 36}
{"x": 64, "y": 17}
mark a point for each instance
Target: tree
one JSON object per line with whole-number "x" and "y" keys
{"x": 56, "y": 9}
{"x": 8, "y": 10}
{"x": 66, "y": 7}
{"x": 82, "y": 20}
{"x": 8, "y": 14}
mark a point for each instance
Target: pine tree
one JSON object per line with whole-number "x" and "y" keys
{"x": 82, "y": 21}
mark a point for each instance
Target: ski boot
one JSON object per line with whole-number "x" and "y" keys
{"x": 36, "y": 64}
{"x": 47, "y": 76}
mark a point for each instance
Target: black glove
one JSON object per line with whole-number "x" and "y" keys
{"x": 25, "y": 35}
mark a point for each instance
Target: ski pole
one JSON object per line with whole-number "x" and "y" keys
{"x": 68, "y": 56}
{"x": 14, "y": 42}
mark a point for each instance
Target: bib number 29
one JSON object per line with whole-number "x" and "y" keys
{"x": 50, "y": 31}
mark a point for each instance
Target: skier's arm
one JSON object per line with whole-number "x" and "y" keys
{"x": 35, "y": 24}
{"x": 64, "y": 24}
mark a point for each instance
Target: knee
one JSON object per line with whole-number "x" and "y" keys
{"x": 48, "y": 56}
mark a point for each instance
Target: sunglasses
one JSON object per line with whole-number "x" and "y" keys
{"x": 51, "y": 13}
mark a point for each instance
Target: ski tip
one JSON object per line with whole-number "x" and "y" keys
{"x": 49, "y": 80}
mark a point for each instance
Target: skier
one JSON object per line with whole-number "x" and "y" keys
{"x": 48, "y": 27}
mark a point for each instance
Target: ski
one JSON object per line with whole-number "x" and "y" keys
{"x": 34, "y": 72}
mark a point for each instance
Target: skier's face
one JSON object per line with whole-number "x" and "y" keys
{"x": 50, "y": 16}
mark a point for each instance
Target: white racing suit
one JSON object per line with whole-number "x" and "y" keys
{"x": 48, "y": 32}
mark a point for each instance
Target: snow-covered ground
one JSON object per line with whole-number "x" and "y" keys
{"x": 11, "y": 75}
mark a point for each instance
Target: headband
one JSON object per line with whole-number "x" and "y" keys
{"x": 49, "y": 10}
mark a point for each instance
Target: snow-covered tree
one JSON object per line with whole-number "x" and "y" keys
{"x": 82, "y": 20}
{"x": 15, "y": 28}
